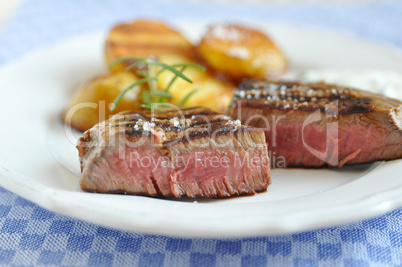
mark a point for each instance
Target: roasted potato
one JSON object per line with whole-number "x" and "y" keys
{"x": 241, "y": 52}
{"x": 149, "y": 38}
{"x": 211, "y": 92}
{"x": 90, "y": 103}
{"x": 144, "y": 39}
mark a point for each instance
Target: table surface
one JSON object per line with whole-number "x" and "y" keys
{"x": 30, "y": 235}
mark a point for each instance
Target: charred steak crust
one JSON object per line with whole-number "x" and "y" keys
{"x": 368, "y": 126}
{"x": 193, "y": 152}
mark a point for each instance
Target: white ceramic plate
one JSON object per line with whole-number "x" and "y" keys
{"x": 39, "y": 163}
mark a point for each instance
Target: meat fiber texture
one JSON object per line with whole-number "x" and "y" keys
{"x": 320, "y": 125}
{"x": 192, "y": 152}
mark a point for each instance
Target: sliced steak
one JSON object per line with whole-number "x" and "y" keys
{"x": 317, "y": 125}
{"x": 193, "y": 152}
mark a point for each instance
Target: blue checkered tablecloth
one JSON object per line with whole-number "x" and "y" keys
{"x": 30, "y": 235}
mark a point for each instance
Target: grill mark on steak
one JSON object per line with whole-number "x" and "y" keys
{"x": 201, "y": 132}
{"x": 369, "y": 125}
{"x": 203, "y": 123}
{"x": 297, "y": 96}
{"x": 130, "y": 124}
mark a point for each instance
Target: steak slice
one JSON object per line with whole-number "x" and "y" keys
{"x": 192, "y": 152}
{"x": 318, "y": 125}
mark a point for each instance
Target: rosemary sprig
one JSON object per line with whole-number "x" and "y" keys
{"x": 173, "y": 80}
{"x": 184, "y": 100}
{"x": 132, "y": 66}
{"x": 153, "y": 97}
{"x": 128, "y": 88}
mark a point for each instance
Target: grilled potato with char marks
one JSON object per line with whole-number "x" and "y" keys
{"x": 241, "y": 52}
{"x": 144, "y": 38}
{"x": 154, "y": 39}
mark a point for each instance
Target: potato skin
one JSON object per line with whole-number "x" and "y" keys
{"x": 97, "y": 94}
{"x": 154, "y": 39}
{"x": 144, "y": 38}
{"x": 241, "y": 52}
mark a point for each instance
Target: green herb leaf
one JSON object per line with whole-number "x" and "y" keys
{"x": 162, "y": 93}
{"x": 173, "y": 70}
{"x": 173, "y": 80}
{"x": 193, "y": 65}
{"x": 132, "y": 66}
{"x": 143, "y": 73}
{"x": 146, "y": 97}
{"x": 184, "y": 100}
{"x": 120, "y": 96}
{"x": 121, "y": 59}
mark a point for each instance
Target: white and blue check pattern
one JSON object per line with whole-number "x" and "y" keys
{"x": 30, "y": 235}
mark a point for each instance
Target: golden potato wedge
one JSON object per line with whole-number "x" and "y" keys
{"x": 241, "y": 52}
{"x": 90, "y": 103}
{"x": 144, "y": 38}
{"x": 211, "y": 92}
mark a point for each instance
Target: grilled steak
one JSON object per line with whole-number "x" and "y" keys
{"x": 317, "y": 125}
{"x": 193, "y": 152}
